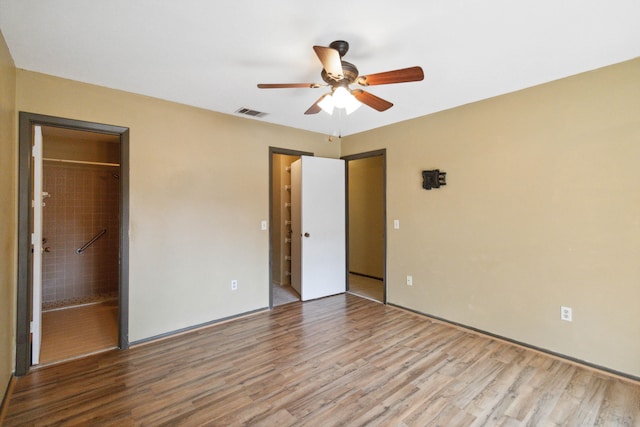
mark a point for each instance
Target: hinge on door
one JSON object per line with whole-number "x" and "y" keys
{"x": 30, "y": 326}
{"x": 33, "y": 238}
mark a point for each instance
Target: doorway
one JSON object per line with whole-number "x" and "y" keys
{"x": 280, "y": 289}
{"x": 80, "y": 223}
{"x": 84, "y": 290}
{"x": 366, "y": 224}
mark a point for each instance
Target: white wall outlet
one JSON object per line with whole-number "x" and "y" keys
{"x": 409, "y": 280}
{"x": 566, "y": 314}
{"x": 234, "y": 285}
{"x": 396, "y": 224}
{"x": 263, "y": 225}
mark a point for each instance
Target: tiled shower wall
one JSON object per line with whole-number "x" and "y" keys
{"x": 83, "y": 201}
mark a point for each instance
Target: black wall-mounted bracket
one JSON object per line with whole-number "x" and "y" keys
{"x": 433, "y": 179}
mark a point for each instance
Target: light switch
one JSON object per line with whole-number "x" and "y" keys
{"x": 396, "y": 224}
{"x": 263, "y": 225}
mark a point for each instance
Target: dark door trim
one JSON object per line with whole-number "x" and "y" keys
{"x": 382, "y": 152}
{"x": 23, "y": 309}
{"x": 272, "y": 151}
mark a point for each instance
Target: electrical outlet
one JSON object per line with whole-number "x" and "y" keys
{"x": 234, "y": 285}
{"x": 263, "y": 225}
{"x": 409, "y": 280}
{"x": 566, "y": 314}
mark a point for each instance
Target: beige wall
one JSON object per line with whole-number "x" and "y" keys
{"x": 8, "y": 207}
{"x": 541, "y": 209}
{"x": 366, "y": 216}
{"x": 77, "y": 145}
{"x": 199, "y": 187}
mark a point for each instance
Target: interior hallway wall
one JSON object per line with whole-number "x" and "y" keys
{"x": 366, "y": 216}
{"x": 8, "y": 214}
{"x": 541, "y": 210}
{"x": 199, "y": 188}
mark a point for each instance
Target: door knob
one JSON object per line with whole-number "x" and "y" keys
{"x": 307, "y": 234}
{"x": 47, "y": 249}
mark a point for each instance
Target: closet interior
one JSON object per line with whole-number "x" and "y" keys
{"x": 281, "y": 230}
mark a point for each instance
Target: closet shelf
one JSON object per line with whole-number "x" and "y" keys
{"x": 81, "y": 162}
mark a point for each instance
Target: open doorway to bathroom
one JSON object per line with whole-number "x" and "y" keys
{"x": 280, "y": 159}
{"x": 72, "y": 295}
{"x": 366, "y": 219}
{"x": 81, "y": 174}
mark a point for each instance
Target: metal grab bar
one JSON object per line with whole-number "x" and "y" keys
{"x": 91, "y": 242}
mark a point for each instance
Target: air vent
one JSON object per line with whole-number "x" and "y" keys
{"x": 252, "y": 113}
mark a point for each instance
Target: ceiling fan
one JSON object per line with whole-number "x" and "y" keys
{"x": 339, "y": 74}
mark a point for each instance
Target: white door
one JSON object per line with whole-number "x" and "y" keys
{"x": 318, "y": 266}
{"x": 36, "y": 240}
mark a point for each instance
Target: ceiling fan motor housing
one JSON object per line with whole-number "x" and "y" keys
{"x": 341, "y": 46}
{"x": 349, "y": 72}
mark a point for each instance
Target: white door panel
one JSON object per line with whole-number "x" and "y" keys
{"x": 36, "y": 311}
{"x": 318, "y": 187}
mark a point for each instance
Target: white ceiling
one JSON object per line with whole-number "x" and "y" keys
{"x": 211, "y": 54}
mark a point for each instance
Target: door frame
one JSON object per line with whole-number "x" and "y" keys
{"x": 25, "y": 218}
{"x": 375, "y": 153}
{"x": 287, "y": 152}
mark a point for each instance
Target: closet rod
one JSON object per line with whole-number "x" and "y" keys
{"x": 82, "y": 162}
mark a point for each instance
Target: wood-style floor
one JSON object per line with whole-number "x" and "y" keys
{"x": 366, "y": 287}
{"x": 76, "y": 331}
{"x": 341, "y": 360}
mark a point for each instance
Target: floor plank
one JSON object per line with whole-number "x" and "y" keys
{"x": 342, "y": 360}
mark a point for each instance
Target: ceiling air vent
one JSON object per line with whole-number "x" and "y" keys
{"x": 252, "y": 113}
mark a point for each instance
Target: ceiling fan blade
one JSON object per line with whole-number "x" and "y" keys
{"x": 411, "y": 74}
{"x": 371, "y": 100}
{"x": 331, "y": 61}
{"x": 287, "y": 85}
{"x": 315, "y": 108}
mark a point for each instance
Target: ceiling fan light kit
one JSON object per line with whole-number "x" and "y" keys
{"x": 339, "y": 98}
{"x": 327, "y": 104}
{"x": 339, "y": 74}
